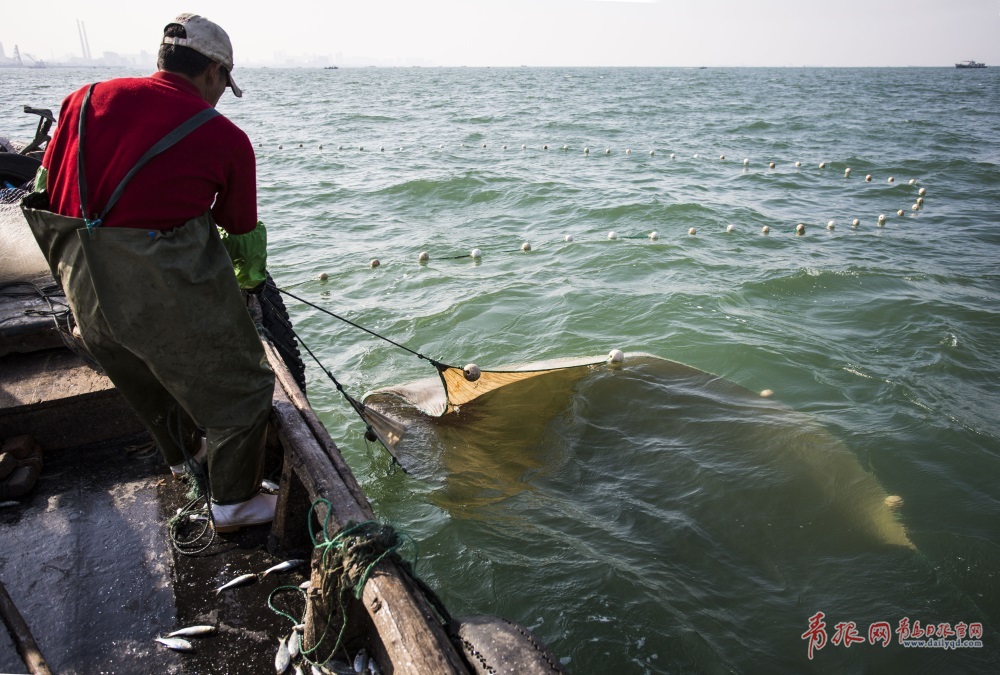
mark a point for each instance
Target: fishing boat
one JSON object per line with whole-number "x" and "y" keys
{"x": 95, "y": 576}
{"x": 970, "y": 64}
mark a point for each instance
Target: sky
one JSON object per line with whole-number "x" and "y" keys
{"x": 532, "y": 32}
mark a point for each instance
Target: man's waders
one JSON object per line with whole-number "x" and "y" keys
{"x": 162, "y": 314}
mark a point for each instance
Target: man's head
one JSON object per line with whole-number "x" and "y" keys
{"x": 193, "y": 45}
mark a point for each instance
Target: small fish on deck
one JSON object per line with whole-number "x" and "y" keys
{"x": 269, "y": 485}
{"x": 294, "y": 644}
{"x": 176, "y": 643}
{"x": 282, "y": 567}
{"x": 192, "y": 631}
{"x": 238, "y": 581}
{"x": 282, "y": 659}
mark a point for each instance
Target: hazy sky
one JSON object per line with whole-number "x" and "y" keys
{"x": 536, "y": 32}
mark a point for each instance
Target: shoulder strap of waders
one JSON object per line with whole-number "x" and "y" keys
{"x": 167, "y": 141}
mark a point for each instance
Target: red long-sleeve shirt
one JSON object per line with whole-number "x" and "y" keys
{"x": 214, "y": 164}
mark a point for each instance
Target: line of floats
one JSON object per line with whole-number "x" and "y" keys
{"x": 800, "y": 228}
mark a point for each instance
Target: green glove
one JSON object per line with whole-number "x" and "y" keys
{"x": 249, "y": 254}
{"x": 41, "y": 179}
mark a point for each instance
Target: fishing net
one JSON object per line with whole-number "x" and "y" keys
{"x": 455, "y": 387}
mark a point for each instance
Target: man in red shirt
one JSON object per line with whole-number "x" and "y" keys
{"x": 136, "y": 179}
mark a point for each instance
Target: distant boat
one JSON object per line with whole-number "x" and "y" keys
{"x": 970, "y": 64}
{"x": 330, "y": 67}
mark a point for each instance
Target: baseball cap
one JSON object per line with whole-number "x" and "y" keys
{"x": 206, "y": 38}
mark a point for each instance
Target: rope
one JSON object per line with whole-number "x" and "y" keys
{"x": 348, "y": 559}
{"x": 437, "y": 364}
{"x": 355, "y": 404}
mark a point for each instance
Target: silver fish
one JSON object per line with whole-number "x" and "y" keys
{"x": 361, "y": 661}
{"x": 4, "y": 505}
{"x": 306, "y": 585}
{"x": 282, "y": 659}
{"x": 373, "y": 668}
{"x": 238, "y": 581}
{"x": 294, "y": 643}
{"x": 269, "y": 485}
{"x": 176, "y": 643}
{"x": 282, "y": 567}
{"x": 299, "y": 671}
{"x": 192, "y": 631}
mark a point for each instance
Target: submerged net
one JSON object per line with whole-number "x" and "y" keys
{"x": 455, "y": 387}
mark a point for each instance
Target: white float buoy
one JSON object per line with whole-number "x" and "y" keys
{"x": 893, "y": 501}
{"x": 831, "y": 225}
{"x": 320, "y": 146}
{"x": 504, "y": 146}
{"x": 612, "y": 235}
{"x": 374, "y": 263}
{"x": 381, "y": 148}
{"x": 545, "y": 147}
{"x": 822, "y": 165}
{"x": 484, "y": 145}
{"x": 881, "y": 220}
{"x": 915, "y": 207}
{"x": 525, "y": 247}
{"x": 472, "y": 372}
{"x": 922, "y": 191}
{"x": 616, "y": 357}
{"x": 695, "y": 156}
{"x": 722, "y": 157}
{"x": 847, "y": 172}
{"x": 855, "y": 222}
{"x": 692, "y": 231}
{"x": 920, "y": 200}
{"x": 771, "y": 165}
{"x": 891, "y": 180}
{"x": 522, "y": 146}
{"x": 323, "y": 276}
{"x": 765, "y": 229}
{"x": 565, "y": 147}
{"x": 900, "y": 212}
{"x": 868, "y": 178}
{"x": 628, "y": 151}
{"x": 607, "y": 151}
{"x": 423, "y": 257}
{"x": 476, "y": 253}
{"x": 766, "y": 393}
{"x": 281, "y": 147}
{"x": 798, "y": 164}
{"x": 586, "y": 151}
{"x": 912, "y": 181}
{"x": 654, "y": 235}
{"x": 800, "y": 229}
{"x": 746, "y": 161}
{"x": 340, "y": 147}
{"x": 568, "y": 237}
{"x": 730, "y": 228}
{"x": 672, "y": 155}
{"x": 361, "y": 148}
{"x": 651, "y": 153}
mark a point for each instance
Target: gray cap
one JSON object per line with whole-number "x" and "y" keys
{"x": 206, "y": 38}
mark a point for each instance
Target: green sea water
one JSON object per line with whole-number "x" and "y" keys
{"x": 659, "y": 518}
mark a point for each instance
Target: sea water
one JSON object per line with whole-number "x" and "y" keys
{"x": 638, "y": 523}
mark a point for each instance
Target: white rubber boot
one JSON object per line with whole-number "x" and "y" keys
{"x": 258, "y": 510}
